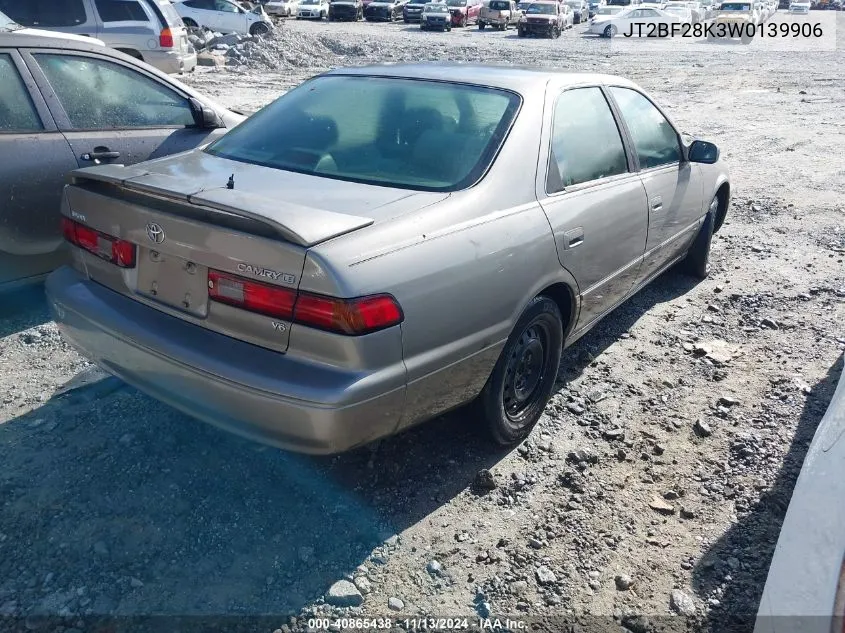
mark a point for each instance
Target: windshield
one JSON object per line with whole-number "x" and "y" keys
{"x": 735, "y": 6}
{"x": 608, "y": 10}
{"x": 574, "y": 3}
{"x": 677, "y": 10}
{"x": 457, "y": 3}
{"x": 395, "y": 132}
{"x": 544, "y": 8}
{"x": 7, "y": 24}
{"x": 435, "y": 8}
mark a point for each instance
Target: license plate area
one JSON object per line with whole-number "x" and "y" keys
{"x": 173, "y": 281}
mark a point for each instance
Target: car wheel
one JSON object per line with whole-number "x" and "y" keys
{"x": 697, "y": 261}
{"x": 259, "y": 28}
{"x": 481, "y": 26}
{"x": 557, "y": 32}
{"x": 520, "y": 32}
{"x": 610, "y": 31}
{"x": 525, "y": 373}
{"x": 463, "y": 21}
{"x": 189, "y": 23}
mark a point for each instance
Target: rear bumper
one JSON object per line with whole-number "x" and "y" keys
{"x": 264, "y": 395}
{"x": 171, "y": 61}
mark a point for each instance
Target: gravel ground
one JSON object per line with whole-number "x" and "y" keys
{"x": 655, "y": 483}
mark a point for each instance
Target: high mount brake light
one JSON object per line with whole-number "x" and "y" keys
{"x": 353, "y": 317}
{"x": 118, "y": 252}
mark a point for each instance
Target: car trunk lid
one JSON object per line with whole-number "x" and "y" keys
{"x": 182, "y": 232}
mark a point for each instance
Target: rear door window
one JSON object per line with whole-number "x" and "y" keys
{"x": 45, "y": 13}
{"x": 17, "y": 112}
{"x": 121, "y": 11}
{"x": 97, "y": 94}
{"x": 586, "y": 144}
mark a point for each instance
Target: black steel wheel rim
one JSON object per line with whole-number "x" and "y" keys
{"x": 525, "y": 371}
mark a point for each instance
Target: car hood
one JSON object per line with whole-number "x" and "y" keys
{"x": 58, "y": 35}
{"x": 198, "y": 170}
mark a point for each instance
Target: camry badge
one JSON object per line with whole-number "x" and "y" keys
{"x": 155, "y": 233}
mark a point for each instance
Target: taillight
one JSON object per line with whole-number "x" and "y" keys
{"x": 118, "y": 252}
{"x": 344, "y": 316}
{"x": 251, "y": 295}
{"x": 347, "y": 316}
{"x": 165, "y": 38}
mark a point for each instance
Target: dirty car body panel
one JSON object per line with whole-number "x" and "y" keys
{"x": 58, "y": 120}
{"x": 299, "y": 204}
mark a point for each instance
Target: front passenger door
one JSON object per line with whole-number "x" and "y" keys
{"x": 673, "y": 186}
{"x": 594, "y": 201}
{"x": 112, "y": 113}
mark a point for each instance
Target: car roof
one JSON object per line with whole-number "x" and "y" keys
{"x": 521, "y": 79}
{"x": 22, "y": 40}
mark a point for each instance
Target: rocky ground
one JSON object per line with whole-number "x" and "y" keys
{"x": 655, "y": 483}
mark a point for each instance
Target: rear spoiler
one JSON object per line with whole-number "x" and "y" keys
{"x": 299, "y": 224}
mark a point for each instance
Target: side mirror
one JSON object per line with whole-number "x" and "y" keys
{"x": 204, "y": 116}
{"x": 703, "y": 152}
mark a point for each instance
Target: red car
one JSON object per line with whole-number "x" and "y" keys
{"x": 464, "y": 11}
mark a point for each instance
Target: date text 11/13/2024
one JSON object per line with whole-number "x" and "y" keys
{"x": 724, "y": 30}
{"x": 415, "y": 624}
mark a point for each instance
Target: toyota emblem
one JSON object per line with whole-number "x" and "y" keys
{"x": 155, "y": 233}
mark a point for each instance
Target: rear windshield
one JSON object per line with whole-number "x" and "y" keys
{"x": 500, "y": 6}
{"x": 413, "y": 134}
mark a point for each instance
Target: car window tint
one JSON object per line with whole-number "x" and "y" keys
{"x": 17, "y": 113}
{"x": 45, "y": 13}
{"x": 121, "y": 11}
{"x": 655, "y": 140}
{"x": 586, "y": 144}
{"x": 388, "y": 131}
{"x": 99, "y": 94}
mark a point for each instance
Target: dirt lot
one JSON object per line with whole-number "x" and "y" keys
{"x": 665, "y": 462}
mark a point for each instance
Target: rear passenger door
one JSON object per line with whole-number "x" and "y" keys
{"x": 673, "y": 185}
{"x": 594, "y": 200}
{"x": 34, "y": 159}
{"x": 113, "y": 112}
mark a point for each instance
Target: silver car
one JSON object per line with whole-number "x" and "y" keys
{"x": 65, "y": 104}
{"x": 149, "y": 30}
{"x": 383, "y": 244}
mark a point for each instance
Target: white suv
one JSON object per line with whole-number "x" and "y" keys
{"x": 224, "y": 16}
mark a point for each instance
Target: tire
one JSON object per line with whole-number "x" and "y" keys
{"x": 259, "y": 28}
{"x": 464, "y": 21}
{"x": 610, "y": 31}
{"x": 524, "y": 376}
{"x": 520, "y": 32}
{"x": 481, "y": 26}
{"x": 697, "y": 262}
{"x": 556, "y": 33}
{"x": 189, "y": 23}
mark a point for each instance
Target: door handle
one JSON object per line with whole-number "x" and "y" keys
{"x": 573, "y": 237}
{"x": 99, "y": 154}
{"x": 657, "y": 203}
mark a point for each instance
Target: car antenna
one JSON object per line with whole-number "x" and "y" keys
{"x": 231, "y": 183}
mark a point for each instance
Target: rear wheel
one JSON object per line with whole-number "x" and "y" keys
{"x": 524, "y": 376}
{"x": 259, "y": 28}
{"x": 697, "y": 261}
{"x": 481, "y": 26}
{"x": 189, "y": 23}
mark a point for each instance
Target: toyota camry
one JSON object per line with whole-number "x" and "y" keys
{"x": 381, "y": 245}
